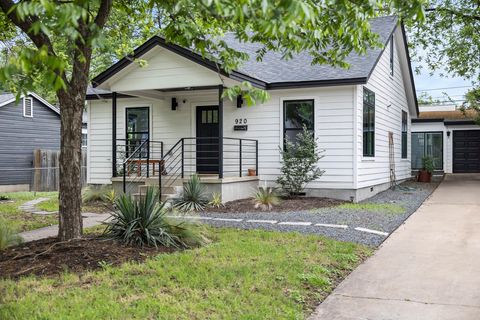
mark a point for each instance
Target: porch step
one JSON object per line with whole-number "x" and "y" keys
{"x": 172, "y": 181}
{"x": 165, "y": 197}
{"x": 166, "y": 190}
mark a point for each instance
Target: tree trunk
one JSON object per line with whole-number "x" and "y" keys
{"x": 72, "y": 103}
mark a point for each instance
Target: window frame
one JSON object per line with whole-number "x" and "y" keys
{"x": 404, "y": 136}
{"x": 441, "y": 133}
{"x": 128, "y": 152}
{"x": 285, "y": 129}
{"x": 371, "y": 108}
{"x": 392, "y": 56}
{"x": 31, "y": 107}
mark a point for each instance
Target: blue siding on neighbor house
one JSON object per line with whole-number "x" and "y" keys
{"x": 20, "y": 136}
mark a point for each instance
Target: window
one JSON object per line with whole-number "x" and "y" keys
{"x": 392, "y": 55}
{"x": 404, "y": 134}
{"x": 137, "y": 127}
{"x": 28, "y": 107}
{"x": 84, "y": 140}
{"x": 427, "y": 144}
{"x": 368, "y": 123}
{"x": 209, "y": 116}
{"x": 296, "y": 114}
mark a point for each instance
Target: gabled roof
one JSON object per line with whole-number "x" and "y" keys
{"x": 273, "y": 71}
{"x": 7, "y": 97}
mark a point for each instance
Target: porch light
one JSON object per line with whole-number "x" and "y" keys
{"x": 174, "y": 104}
{"x": 239, "y": 101}
{"x": 448, "y": 133}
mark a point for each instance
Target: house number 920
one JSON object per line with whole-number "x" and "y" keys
{"x": 240, "y": 121}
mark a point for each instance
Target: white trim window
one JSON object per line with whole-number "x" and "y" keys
{"x": 28, "y": 107}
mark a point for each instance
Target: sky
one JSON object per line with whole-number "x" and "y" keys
{"x": 435, "y": 85}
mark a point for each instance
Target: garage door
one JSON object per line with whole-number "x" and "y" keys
{"x": 466, "y": 151}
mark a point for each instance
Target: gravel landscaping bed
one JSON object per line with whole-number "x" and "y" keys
{"x": 383, "y": 212}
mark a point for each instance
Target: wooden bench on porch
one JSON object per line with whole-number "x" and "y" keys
{"x": 140, "y": 162}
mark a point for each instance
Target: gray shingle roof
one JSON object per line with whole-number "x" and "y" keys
{"x": 4, "y": 97}
{"x": 275, "y": 69}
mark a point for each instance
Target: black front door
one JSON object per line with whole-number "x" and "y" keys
{"x": 207, "y": 139}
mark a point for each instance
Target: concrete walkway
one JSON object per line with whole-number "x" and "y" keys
{"x": 428, "y": 269}
{"x": 89, "y": 220}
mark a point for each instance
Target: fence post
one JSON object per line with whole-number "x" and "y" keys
{"x": 124, "y": 177}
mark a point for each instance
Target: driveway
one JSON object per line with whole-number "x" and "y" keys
{"x": 428, "y": 269}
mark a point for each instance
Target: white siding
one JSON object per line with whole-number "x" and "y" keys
{"x": 164, "y": 69}
{"x": 333, "y": 128}
{"x": 390, "y": 101}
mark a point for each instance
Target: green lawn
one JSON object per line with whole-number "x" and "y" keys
{"x": 22, "y": 221}
{"x": 242, "y": 275}
{"x": 387, "y": 208}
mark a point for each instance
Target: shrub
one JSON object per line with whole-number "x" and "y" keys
{"x": 143, "y": 223}
{"x": 266, "y": 198}
{"x": 97, "y": 193}
{"x": 8, "y": 237}
{"x": 216, "y": 200}
{"x": 194, "y": 197}
{"x": 299, "y": 163}
{"x": 4, "y": 197}
{"x": 428, "y": 164}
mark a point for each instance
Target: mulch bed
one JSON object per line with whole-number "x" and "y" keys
{"x": 286, "y": 204}
{"x": 50, "y": 257}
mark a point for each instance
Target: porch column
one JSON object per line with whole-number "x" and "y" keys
{"x": 114, "y": 134}
{"x": 220, "y": 133}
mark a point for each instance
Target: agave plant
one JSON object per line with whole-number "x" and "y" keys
{"x": 143, "y": 223}
{"x": 266, "y": 198}
{"x": 194, "y": 196}
{"x": 216, "y": 200}
{"x": 8, "y": 237}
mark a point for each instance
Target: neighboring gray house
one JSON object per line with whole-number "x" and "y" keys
{"x": 25, "y": 125}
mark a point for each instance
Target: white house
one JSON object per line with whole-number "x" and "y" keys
{"x": 449, "y": 136}
{"x": 171, "y": 114}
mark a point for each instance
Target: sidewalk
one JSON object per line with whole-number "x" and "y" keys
{"x": 89, "y": 220}
{"x": 427, "y": 269}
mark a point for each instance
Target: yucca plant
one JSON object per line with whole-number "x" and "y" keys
{"x": 96, "y": 193}
{"x": 143, "y": 223}
{"x": 109, "y": 196}
{"x": 194, "y": 197}
{"x": 216, "y": 200}
{"x": 8, "y": 237}
{"x": 266, "y": 198}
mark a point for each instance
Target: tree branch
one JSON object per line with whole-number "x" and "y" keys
{"x": 455, "y": 12}
{"x": 103, "y": 13}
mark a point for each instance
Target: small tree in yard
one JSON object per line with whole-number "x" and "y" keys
{"x": 299, "y": 162}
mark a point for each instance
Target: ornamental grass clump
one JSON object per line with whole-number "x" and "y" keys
{"x": 8, "y": 236}
{"x": 266, "y": 198}
{"x": 97, "y": 193}
{"x": 143, "y": 222}
{"x": 194, "y": 197}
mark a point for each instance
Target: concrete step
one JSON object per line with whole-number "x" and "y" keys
{"x": 167, "y": 190}
{"x": 165, "y": 196}
{"x": 173, "y": 181}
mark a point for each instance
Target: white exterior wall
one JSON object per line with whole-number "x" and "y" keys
{"x": 447, "y": 140}
{"x": 390, "y": 101}
{"x": 333, "y": 128}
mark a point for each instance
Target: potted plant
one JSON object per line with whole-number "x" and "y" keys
{"x": 252, "y": 172}
{"x": 428, "y": 165}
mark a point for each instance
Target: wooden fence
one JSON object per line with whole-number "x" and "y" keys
{"x": 46, "y": 175}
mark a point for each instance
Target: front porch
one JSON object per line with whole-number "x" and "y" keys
{"x": 148, "y": 147}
